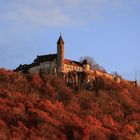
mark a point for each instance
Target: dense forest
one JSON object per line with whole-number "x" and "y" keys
{"x": 40, "y": 107}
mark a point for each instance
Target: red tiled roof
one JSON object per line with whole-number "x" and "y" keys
{"x": 72, "y": 62}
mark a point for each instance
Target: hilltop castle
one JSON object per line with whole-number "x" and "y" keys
{"x": 56, "y": 64}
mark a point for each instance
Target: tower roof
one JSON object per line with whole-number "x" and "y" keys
{"x": 60, "y": 40}
{"x": 84, "y": 62}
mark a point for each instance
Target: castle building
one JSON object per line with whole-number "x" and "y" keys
{"x": 71, "y": 71}
{"x": 54, "y": 63}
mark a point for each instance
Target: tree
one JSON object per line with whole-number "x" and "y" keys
{"x": 93, "y": 64}
{"x": 98, "y": 83}
{"x": 115, "y": 74}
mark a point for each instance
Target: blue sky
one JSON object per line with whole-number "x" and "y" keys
{"x": 107, "y": 30}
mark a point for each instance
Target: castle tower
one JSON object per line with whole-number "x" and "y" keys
{"x": 86, "y": 66}
{"x": 60, "y": 55}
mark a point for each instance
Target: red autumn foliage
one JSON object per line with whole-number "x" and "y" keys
{"x": 44, "y": 108}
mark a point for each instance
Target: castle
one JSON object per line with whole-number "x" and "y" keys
{"x": 56, "y": 64}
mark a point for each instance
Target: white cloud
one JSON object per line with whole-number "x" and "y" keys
{"x": 46, "y": 12}
{"x": 26, "y": 14}
{"x": 57, "y": 12}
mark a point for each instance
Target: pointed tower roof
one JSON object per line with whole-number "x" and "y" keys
{"x": 60, "y": 40}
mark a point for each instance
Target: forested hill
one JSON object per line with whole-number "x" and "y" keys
{"x": 42, "y": 108}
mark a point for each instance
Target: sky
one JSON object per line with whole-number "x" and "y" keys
{"x": 107, "y": 30}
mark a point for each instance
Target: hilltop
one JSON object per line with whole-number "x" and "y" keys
{"x": 40, "y": 107}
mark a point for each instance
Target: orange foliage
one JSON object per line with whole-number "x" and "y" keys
{"x": 43, "y": 108}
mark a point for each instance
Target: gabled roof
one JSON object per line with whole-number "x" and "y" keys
{"x": 42, "y": 58}
{"x": 72, "y": 62}
{"x": 60, "y": 40}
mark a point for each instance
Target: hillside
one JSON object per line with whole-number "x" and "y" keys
{"x": 43, "y": 108}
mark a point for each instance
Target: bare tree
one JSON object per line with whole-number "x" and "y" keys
{"x": 92, "y": 63}
{"x": 115, "y": 74}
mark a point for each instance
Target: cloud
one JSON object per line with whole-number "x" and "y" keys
{"x": 19, "y": 16}
{"x": 54, "y": 12}
{"x": 26, "y": 14}
{"x": 33, "y": 14}
{"x": 20, "y": 20}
